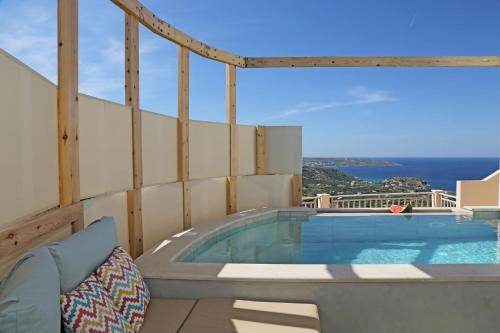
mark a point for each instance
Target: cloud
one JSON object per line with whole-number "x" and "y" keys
{"x": 359, "y": 96}
{"x": 28, "y": 31}
{"x": 413, "y": 19}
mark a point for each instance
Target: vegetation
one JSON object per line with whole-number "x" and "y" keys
{"x": 320, "y": 180}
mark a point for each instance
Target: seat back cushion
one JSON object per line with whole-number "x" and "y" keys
{"x": 124, "y": 283}
{"x": 88, "y": 308}
{"x": 80, "y": 254}
{"x": 29, "y": 295}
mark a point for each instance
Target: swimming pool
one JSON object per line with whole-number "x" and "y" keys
{"x": 372, "y": 239}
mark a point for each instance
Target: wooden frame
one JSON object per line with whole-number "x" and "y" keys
{"x": 231, "y": 206}
{"x": 167, "y": 31}
{"x": 297, "y": 189}
{"x": 134, "y": 215}
{"x": 183, "y": 134}
{"x": 24, "y": 234}
{"x": 134, "y": 197}
{"x": 260, "y": 150}
{"x": 67, "y": 102}
{"x": 386, "y": 61}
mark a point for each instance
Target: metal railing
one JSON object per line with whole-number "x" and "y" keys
{"x": 381, "y": 200}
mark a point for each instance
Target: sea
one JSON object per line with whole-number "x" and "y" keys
{"x": 440, "y": 173}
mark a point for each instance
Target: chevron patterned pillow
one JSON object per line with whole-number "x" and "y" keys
{"x": 89, "y": 308}
{"x": 124, "y": 283}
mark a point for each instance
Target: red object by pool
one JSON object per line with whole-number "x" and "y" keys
{"x": 396, "y": 209}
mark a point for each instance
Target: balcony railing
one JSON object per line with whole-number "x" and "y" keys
{"x": 448, "y": 200}
{"x": 435, "y": 198}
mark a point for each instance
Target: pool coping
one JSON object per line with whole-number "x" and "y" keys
{"x": 159, "y": 261}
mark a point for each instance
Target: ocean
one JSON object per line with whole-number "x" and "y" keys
{"x": 440, "y": 173}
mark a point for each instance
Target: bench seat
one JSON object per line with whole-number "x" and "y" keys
{"x": 221, "y": 315}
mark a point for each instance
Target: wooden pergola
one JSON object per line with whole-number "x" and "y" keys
{"x": 70, "y": 210}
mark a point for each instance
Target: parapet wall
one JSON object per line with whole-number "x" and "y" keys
{"x": 483, "y": 192}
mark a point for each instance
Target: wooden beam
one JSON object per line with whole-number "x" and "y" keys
{"x": 67, "y": 102}
{"x": 166, "y": 30}
{"x": 24, "y": 234}
{"x": 134, "y": 196}
{"x": 183, "y": 115}
{"x": 233, "y": 139}
{"x": 186, "y": 204}
{"x": 384, "y": 61}
{"x": 183, "y": 134}
{"x": 132, "y": 93}
{"x": 231, "y": 203}
{"x": 297, "y": 190}
{"x": 260, "y": 148}
{"x": 134, "y": 208}
{"x": 231, "y": 118}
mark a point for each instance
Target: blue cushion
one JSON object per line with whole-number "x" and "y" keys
{"x": 80, "y": 255}
{"x": 29, "y": 295}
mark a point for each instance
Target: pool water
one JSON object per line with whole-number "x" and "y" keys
{"x": 376, "y": 239}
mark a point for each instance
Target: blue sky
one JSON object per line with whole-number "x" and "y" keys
{"x": 343, "y": 111}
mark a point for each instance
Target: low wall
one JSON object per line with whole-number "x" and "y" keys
{"x": 383, "y": 307}
{"x": 479, "y": 192}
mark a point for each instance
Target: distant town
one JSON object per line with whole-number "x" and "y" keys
{"x": 320, "y": 175}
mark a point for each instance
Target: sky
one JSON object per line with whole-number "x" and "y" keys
{"x": 353, "y": 112}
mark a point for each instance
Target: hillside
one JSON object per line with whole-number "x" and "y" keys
{"x": 319, "y": 180}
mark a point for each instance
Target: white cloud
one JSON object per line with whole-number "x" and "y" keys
{"x": 28, "y": 31}
{"x": 359, "y": 96}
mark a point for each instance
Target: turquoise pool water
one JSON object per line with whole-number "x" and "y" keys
{"x": 382, "y": 239}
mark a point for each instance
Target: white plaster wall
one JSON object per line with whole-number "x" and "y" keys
{"x": 105, "y": 147}
{"x": 159, "y": 148}
{"x": 272, "y": 191}
{"x": 208, "y": 200}
{"x": 208, "y": 149}
{"x": 284, "y": 149}
{"x": 161, "y": 212}
{"x": 28, "y": 141}
{"x": 114, "y": 205}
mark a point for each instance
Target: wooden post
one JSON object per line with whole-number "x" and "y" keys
{"x": 134, "y": 196}
{"x": 67, "y": 105}
{"x": 297, "y": 190}
{"x": 183, "y": 134}
{"x": 260, "y": 148}
{"x": 233, "y": 138}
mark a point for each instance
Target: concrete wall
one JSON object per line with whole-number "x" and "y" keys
{"x": 384, "y": 307}
{"x": 479, "y": 192}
